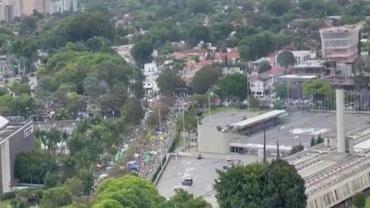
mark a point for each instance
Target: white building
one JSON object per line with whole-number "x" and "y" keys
{"x": 150, "y": 68}
{"x": 303, "y": 56}
{"x": 151, "y": 73}
{"x": 260, "y": 86}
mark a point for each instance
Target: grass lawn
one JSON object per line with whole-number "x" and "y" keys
{"x": 367, "y": 202}
{"x": 5, "y": 204}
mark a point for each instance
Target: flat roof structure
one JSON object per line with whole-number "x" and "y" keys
{"x": 3, "y": 122}
{"x": 298, "y": 77}
{"x": 11, "y": 126}
{"x": 258, "y": 119}
{"x": 331, "y": 177}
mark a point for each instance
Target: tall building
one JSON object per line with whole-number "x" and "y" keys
{"x": 16, "y": 136}
{"x": 61, "y": 6}
{"x": 9, "y": 9}
{"x": 29, "y": 6}
{"x": 340, "y": 44}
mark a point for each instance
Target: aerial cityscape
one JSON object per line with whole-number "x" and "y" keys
{"x": 184, "y": 104}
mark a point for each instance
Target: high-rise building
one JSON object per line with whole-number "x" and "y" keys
{"x": 29, "y": 6}
{"x": 340, "y": 44}
{"x": 61, "y": 6}
{"x": 9, "y": 9}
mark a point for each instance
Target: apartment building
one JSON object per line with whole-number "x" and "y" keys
{"x": 9, "y": 9}
{"x": 340, "y": 44}
{"x": 61, "y": 6}
{"x": 29, "y": 6}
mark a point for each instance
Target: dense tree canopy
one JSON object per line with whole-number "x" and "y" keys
{"x": 278, "y": 7}
{"x": 169, "y": 80}
{"x": 142, "y": 52}
{"x": 103, "y": 77}
{"x": 201, "y": 6}
{"x": 317, "y": 88}
{"x": 286, "y": 59}
{"x": 131, "y": 191}
{"x": 361, "y": 70}
{"x": 204, "y": 79}
{"x": 264, "y": 66}
{"x": 275, "y": 184}
{"x": 234, "y": 86}
{"x": 255, "y": 46}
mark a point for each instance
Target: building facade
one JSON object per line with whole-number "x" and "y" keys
{"x": 9, "y": 9}
{"x": 28, "y": 7}
{"x": 340, "y": 44}
{"x": 16, "y": 136}
{"x": 61, "y": 6}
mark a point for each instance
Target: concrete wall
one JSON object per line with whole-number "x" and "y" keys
{"x": 210, "y": 140}
{"x": 20, "y": 143}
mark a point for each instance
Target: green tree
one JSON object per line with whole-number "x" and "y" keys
{"x": 254, "y": 46}
{"x": 281, "y": 90}
{"x": 204, "y": 79}
{"x": 127, "y": 191}
{"x": 286, "y": 59}
{"x": 56, "y": 197}
{"x": 198, "y": 33}
{"x": 183, "y": 199}
{"x": 361, "y": 71}
{"x": 30, "y": 167}
{"x": 264, "y": 66}
{"x": 278, "y": 7}
{"x": 133, "y": 111}
{"x": 313, "y": 141}
{"x": 201, "y": 6}
{"x": 86, "y": 25}
{"x": 359, "y": 200}
{"x": 274, "y": 184}
{"x": 234, "y": 86}
{"x": 28, "y": 25}
{"x": 296, "y": 148}
{"x": 142, "y": 52}
{"x": 169, "y": 80}
{"x": 317, "y": 88}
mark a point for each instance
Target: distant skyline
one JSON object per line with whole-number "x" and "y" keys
{"x": 9, "y": 9}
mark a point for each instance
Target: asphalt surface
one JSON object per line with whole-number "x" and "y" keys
{"x": 203, "y": 172}
{"x": 299, "y": 127}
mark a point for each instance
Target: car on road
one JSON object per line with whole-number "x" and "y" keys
{"x": 187, "y": 182}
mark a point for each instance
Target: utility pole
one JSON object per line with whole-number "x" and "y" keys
{"x": 247, "y": 94}
{"x": 209, "y": 103}
{"x": 183, "y": 127}
{"x": 277, "y": 148}
{"x": 264, "y": 145}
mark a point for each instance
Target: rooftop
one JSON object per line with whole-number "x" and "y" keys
{"x": 296, "y": 128}
{"x": 298, "y": 77}
{"x": 3, "y": 122}
{"x": 260, "y": 118}
{"x": 11, "y": 127}
{"x": 344, "y": 28}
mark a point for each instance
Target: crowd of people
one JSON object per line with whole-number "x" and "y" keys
{"x": 156, "y": 147}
